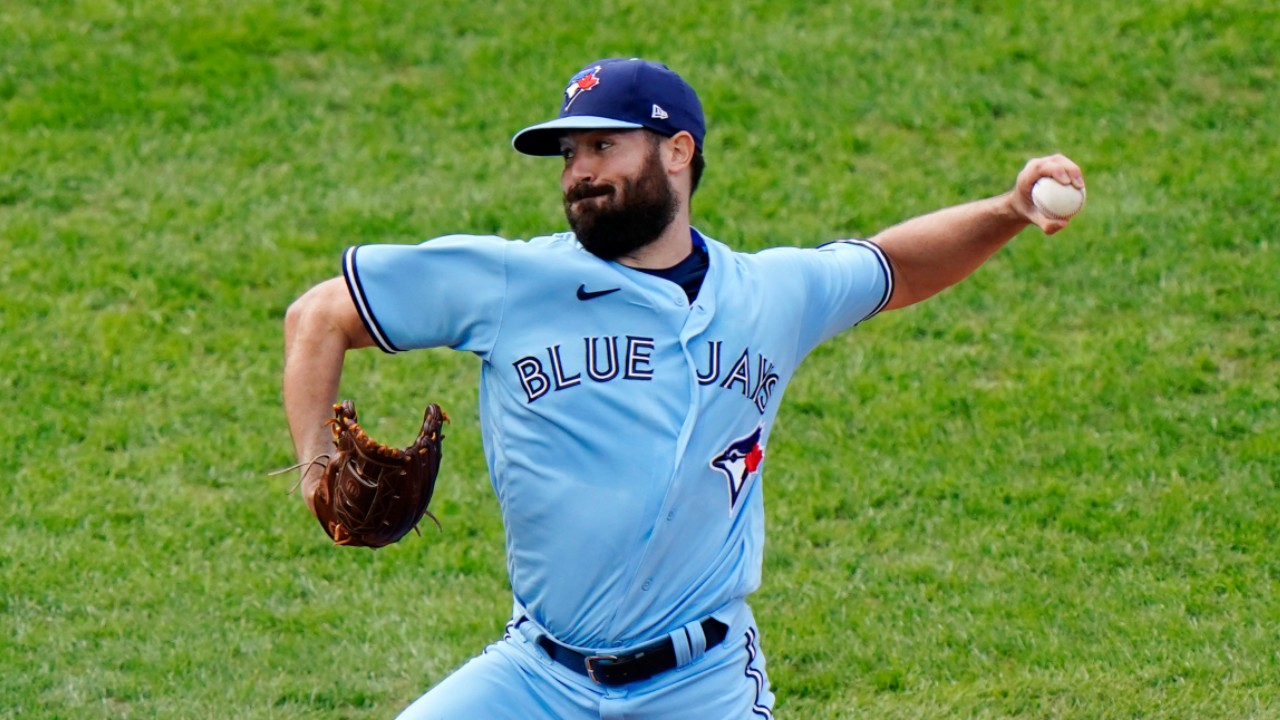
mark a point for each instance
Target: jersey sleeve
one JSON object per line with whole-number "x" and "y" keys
{"x": 446, "y": 292}
{"x": 846, "y": 282}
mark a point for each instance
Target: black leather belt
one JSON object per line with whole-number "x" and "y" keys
{"x": 640, "y": 664}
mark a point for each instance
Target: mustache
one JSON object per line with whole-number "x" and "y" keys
{"x": 584, "y": 191}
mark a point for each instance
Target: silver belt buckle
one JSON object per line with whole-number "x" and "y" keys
{"x": 591, "y": 667}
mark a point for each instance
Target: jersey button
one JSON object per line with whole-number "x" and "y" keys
{"x": 647, "y": 584}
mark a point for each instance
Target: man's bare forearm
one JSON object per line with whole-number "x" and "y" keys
{"x": 933, "y": 252}
{"x": 319, "y": 329}
{"x": 314, "y": 356}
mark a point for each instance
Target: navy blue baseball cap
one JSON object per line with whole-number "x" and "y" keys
{"x": 619, "y": 93}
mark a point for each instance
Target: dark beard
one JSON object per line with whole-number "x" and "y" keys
{"x": 611, "y": 228}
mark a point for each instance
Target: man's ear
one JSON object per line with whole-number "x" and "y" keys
{"x": 679, "y": 152}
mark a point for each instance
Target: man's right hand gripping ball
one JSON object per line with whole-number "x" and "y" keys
{"x": 369, "y": 494}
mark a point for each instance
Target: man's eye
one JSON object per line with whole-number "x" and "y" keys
{"x": 603, "y": 145}
{"x": 566, "y": 153}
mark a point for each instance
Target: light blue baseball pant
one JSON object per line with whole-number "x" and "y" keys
{"x": 514, "y": 679}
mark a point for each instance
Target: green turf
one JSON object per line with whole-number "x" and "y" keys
{"x": 1050, "y": 492}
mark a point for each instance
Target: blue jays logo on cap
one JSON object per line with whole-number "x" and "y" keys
{"x": 738, "y": 461}
{"x": 619, "y": 93}
{"x": 580, "y": 83}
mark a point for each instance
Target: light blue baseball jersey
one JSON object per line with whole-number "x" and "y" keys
{"x": 625, "y": 430}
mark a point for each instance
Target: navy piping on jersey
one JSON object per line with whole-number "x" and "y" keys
{"x": 885, "y": 265}
{"x": 362, "y": 303}
{"x": 688, "y": 274}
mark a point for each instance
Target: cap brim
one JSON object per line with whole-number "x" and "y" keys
{"x": 544, "y": 139}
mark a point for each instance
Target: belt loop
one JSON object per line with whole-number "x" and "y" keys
{"x": 522, "y": 622}
{"x": 529, "y": 630}
{"x": 697, "y": 639}
{"x": 689, "y": 643}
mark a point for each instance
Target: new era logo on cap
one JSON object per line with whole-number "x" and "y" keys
{"x": 619, "y": 93}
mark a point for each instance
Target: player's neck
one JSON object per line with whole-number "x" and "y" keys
{"x": 673, "y": 245}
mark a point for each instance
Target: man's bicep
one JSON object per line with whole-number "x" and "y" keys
{"x": 900, "y": 289}
{"x": 842, "y": 283}
{"x": 860, "y": 280}
{"x": 446, "y": 292}
{"x": 336, "y": 306}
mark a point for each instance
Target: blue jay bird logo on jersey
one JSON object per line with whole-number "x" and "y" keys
{"x": 738, "y": 462}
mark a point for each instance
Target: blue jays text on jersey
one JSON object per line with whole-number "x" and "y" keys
{"x": 601, "y": 361}
{"x": 625, "y": 427}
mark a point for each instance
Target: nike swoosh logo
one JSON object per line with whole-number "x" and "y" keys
{"x": 584, "y": 294}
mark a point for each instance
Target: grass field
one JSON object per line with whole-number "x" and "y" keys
{"x": 1050, "y": 492}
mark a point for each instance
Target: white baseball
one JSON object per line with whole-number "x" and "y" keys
{"x": 1056, "y": 200}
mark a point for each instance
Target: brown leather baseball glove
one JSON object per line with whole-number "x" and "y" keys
{"x": 371, "y": 495}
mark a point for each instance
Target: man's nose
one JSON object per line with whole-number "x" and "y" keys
{"x": 579, "y": 170}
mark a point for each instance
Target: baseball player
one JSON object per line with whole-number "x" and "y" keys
{"x": 631, "y": 373}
